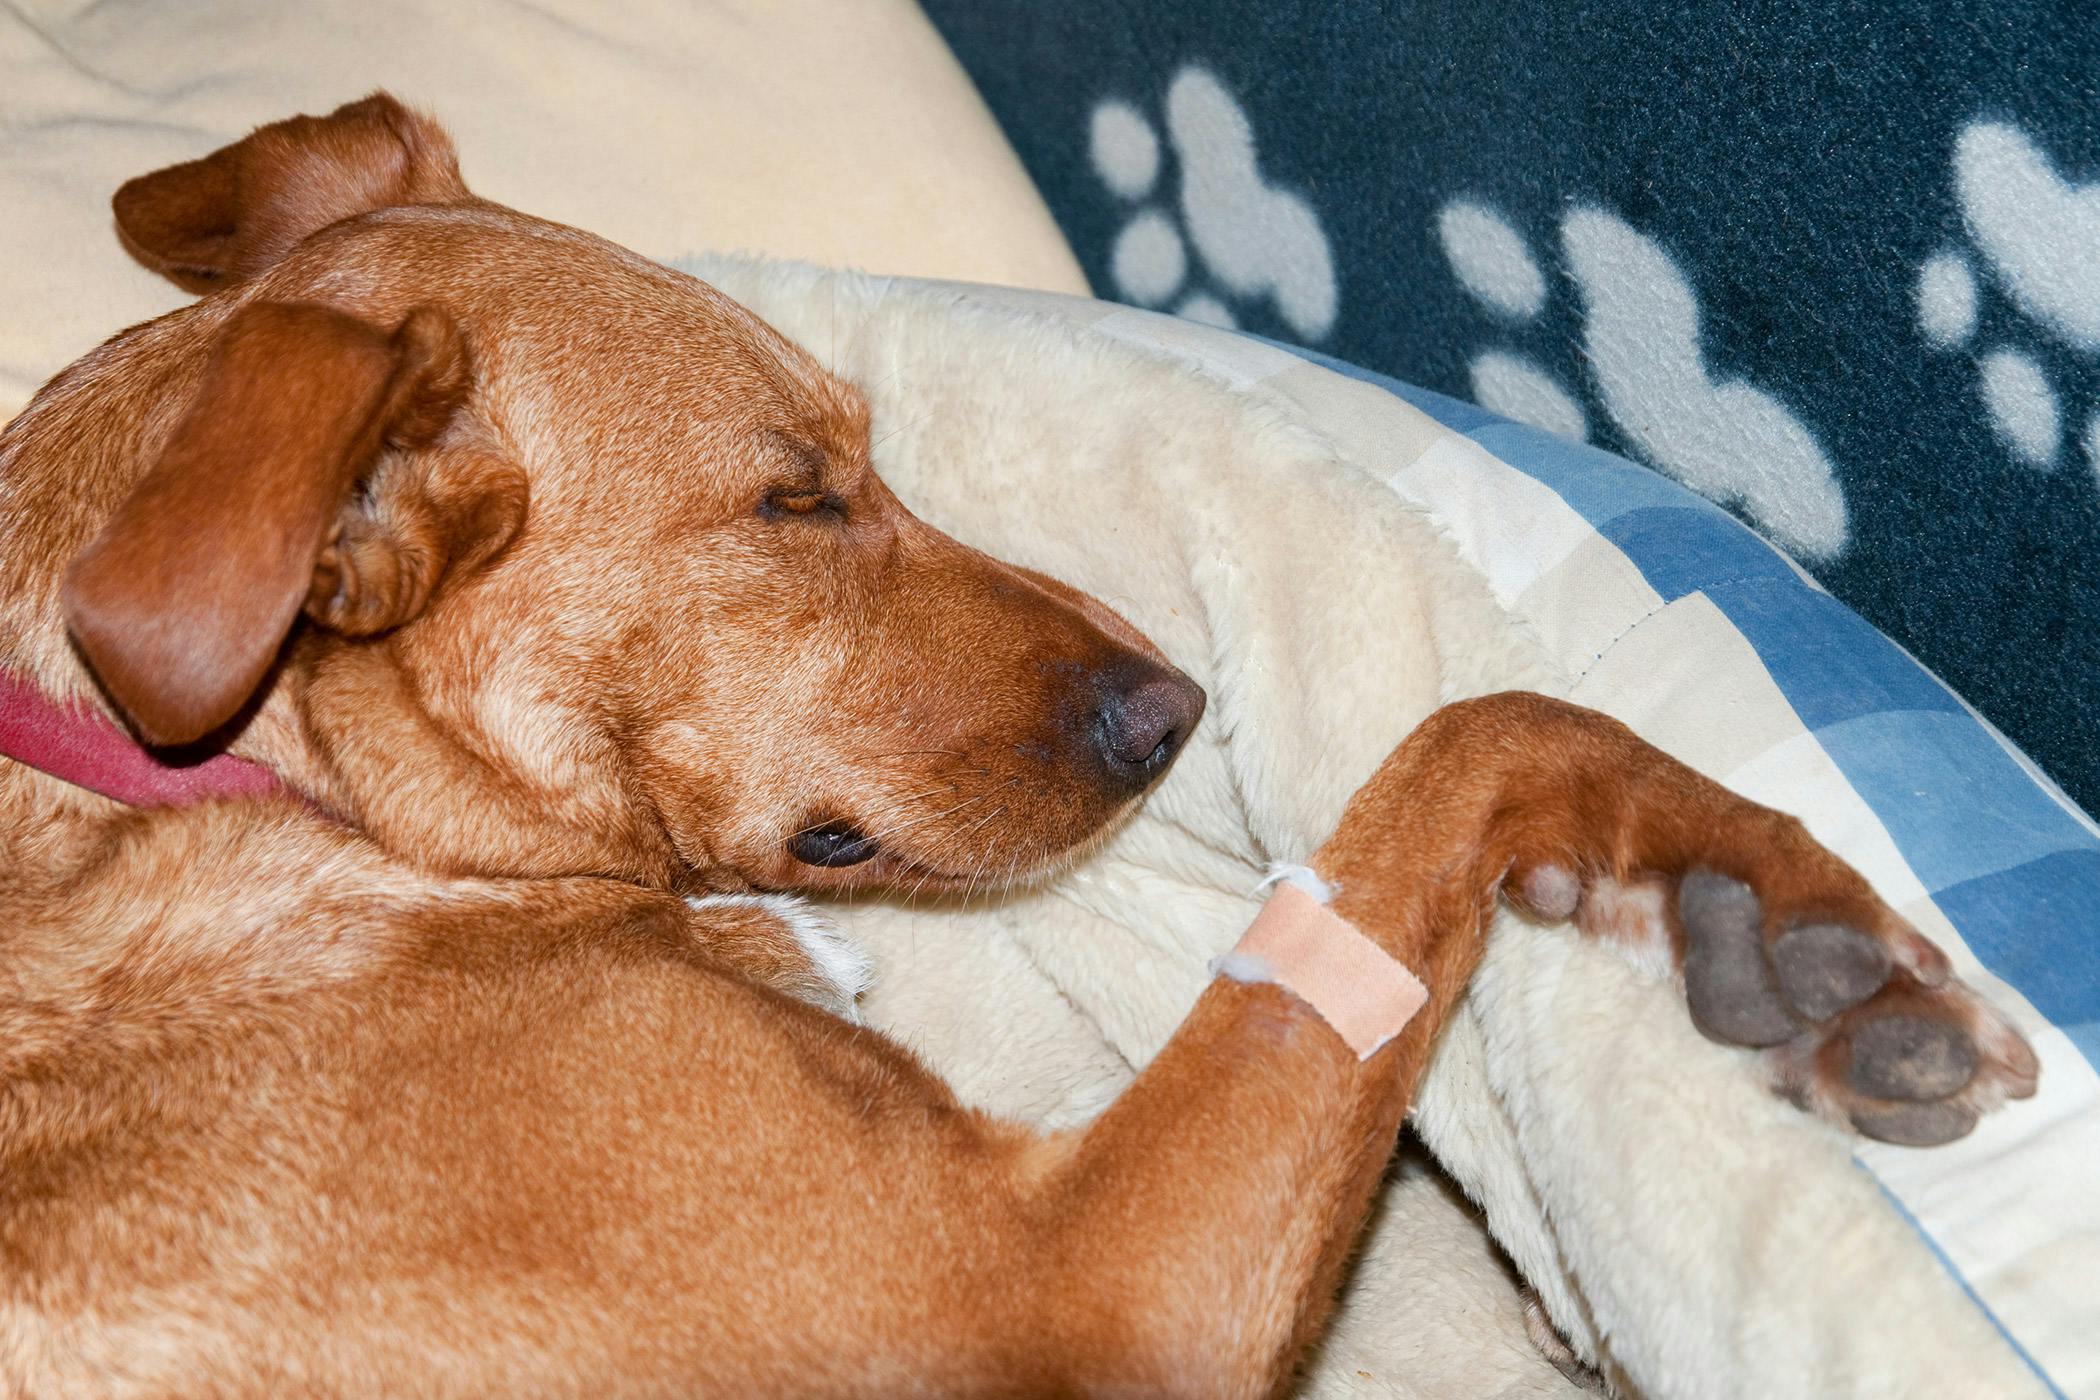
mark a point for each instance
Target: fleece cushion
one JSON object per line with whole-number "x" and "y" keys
{"x": 840, "y": 133}
{"x": 1334, "y": 555}
{"x": 1836, "y": 267}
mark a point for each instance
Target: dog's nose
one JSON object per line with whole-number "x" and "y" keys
{"x": 1146, "y": 713}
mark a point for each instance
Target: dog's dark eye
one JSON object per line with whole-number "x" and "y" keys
{"x": 785, "y": 503}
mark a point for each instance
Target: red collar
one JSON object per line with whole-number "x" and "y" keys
{"x": 86, "y": 749}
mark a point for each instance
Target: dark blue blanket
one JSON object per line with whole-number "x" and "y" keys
{"x": 1832, "y": 266}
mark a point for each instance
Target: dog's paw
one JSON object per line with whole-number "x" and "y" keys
{"x": 1856, "y": 1015}
{"x": 1861, "y": 1020}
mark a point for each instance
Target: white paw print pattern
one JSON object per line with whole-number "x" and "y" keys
{"x": 1728, "y": 440}
{"x": 1493, "y": 263}
{"x": 1251, "y": 240}
{"x": 2040, "y": 235}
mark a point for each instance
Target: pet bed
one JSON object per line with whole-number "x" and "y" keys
{"x": 1333, "y": 557}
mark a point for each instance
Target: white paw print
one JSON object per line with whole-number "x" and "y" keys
{"x": 2040, "y": 234}
{"x": 1252, "y": 241}
{"x": 1728, "y": 440}
{"x": 1493, "y": 263}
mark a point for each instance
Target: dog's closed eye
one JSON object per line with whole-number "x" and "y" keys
{"x": 801, "y": 501}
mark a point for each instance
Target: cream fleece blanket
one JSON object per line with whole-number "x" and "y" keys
{"x": 1688, "y": 1233}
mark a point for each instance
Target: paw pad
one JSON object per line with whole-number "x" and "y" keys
{"x": 1916, "y": 1124}
{"x": 1911, "y": 1058}
{"x": 1728, "y": 983}
{"x": 1827, "y": 968}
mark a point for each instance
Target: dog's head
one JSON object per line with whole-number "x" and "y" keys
{"x": 558, "y": 561}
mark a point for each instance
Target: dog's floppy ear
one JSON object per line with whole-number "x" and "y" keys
{"x": 183, "y": 601}
{"x": 210, "y": 223}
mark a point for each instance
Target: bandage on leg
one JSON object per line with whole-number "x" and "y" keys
{"x": 1301, "y": 945}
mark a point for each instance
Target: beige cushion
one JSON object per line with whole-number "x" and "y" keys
{"x": 821, "y": 129}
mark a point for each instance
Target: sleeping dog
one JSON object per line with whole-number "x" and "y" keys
{"x": 528, "y": 616}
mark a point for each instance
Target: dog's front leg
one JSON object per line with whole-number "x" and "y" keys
{"x": 1197, "y": 1228}
{"x": 1194, "y": 1234}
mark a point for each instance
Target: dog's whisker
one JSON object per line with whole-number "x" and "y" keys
{"x": 970, "y": 879}
{"x": 823, "y": 822}
{"x": 894, "y": 804}
{"x": 880, "y": 836}
{"x": 902, "y": 427}
{"x": 869, "y": 389}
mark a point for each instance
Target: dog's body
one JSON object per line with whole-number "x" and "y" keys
{"x": 453, "y": 1070}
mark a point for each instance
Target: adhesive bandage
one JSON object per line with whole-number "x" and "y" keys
{"x": 1301, "y": 945}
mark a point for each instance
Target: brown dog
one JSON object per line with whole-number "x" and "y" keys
{"x": 555, "y": 587}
